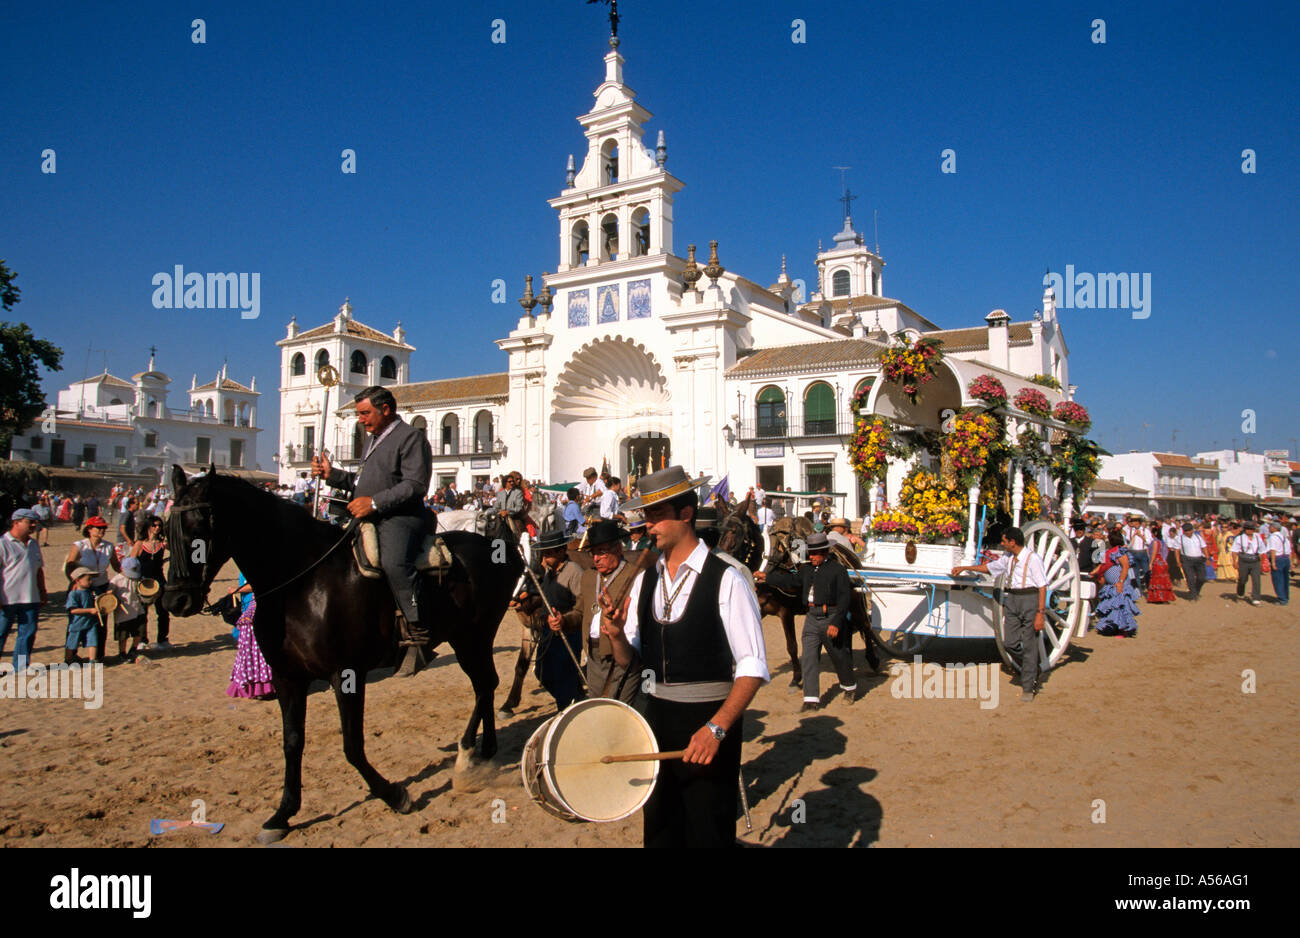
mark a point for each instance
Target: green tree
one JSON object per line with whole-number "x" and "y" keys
{"x": 21, "y": 398}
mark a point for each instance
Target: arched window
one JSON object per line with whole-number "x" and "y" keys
{"x": 152, "y": 409}
{"x": 116, "y": 400}
{"x": 581, "y": 244}
{"x": 322, "y": 358}
{"x": 483, "y": 431}
{"x": 387, "y": 367}
{"x": 298, "y": 365}
{"x": 450, "y": 435}
{"x": 840, "y": 283}
{"x": 609, "y": 162}
{"x": 819, "y": 410}
{"x": 609, "y": 238}
{"x": 640, "y": 232}
{"x": 875, "y": 284}
{"x": 419, "y": 423}
{"x": 358, "y": 365}
{"x": 771, "y": 411}
{"x": 208, "y": 407}
{"x": 864, "y": 387}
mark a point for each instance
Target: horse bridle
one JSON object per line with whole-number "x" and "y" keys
{"x": 206, "y": 580}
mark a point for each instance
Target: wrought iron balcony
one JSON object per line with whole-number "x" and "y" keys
{"x": 795, "y": 428}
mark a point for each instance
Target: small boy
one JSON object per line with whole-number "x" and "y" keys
{"x": 83, "y": 619}
{"x": 128, "y": 621}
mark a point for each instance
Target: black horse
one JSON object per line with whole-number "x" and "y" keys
{"x": 318, "y": 618}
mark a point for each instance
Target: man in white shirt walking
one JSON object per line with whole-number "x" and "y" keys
{"x": 1279, "y": 554}
{"x": 1191, "y": 547}
{"x": 1139, "y": 540}
{"x": 1024, "y": 601}
{"x": 1246, "y": 547}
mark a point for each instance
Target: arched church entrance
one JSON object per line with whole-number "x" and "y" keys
{"x": 611, "y": 403}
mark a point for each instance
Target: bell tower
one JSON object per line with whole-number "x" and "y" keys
{"x": 620, "y": 204}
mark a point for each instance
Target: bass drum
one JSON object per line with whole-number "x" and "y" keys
{"x": 561, "y": 764}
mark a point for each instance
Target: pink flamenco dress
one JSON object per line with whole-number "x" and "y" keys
{"x": 251, "y": 675}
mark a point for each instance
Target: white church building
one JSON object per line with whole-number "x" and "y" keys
{"x": 632, "y": 353}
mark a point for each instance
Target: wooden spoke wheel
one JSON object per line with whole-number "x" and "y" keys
{"x": 903, "y": 642}
{"x": 1065, "y": 605}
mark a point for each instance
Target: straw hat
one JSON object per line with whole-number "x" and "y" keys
{"x": 662, "y": 486}
{"x": 105, "y": 603}
{"x": 83, "y": 571}
{"x": 148, "y": 590}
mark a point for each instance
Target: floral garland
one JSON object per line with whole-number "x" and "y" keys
{"x": 1028, "y": 450}
{"x": 988, "y": 389}
{"x": 966, "y": 449}
{"x": 1076, "y": 460}
{"x": 869, "y": 449}
{"x": 911, "y": 365}
{"x": 1046, "y": 381}
{"x": 1033, "y": 401}
{"x": 1074, "y": 415}
{"x": 927, "y": 509}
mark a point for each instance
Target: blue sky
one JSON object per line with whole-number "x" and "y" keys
{"x": 225, "y": 156}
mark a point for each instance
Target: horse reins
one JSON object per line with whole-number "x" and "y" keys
{"x": 175, "y": 543}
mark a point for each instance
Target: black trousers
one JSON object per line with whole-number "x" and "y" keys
{"x": 399, "y": 541}
{"x": 692, "y": 805}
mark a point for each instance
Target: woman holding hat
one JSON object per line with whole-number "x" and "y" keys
{"x": 151, "y": 551}
{"x": 94, "y": 553}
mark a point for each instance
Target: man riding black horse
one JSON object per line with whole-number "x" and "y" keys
{"x": 388, "y": 489}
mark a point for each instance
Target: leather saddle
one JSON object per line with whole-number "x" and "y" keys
{"x": 433, "y": 559}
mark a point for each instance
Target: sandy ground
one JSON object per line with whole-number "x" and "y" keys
{"x": 1157, "y": 728}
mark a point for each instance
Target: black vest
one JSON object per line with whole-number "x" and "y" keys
{"x": 694, "y": 649}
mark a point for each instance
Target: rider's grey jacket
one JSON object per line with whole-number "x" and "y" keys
{"x": 395, "y": 473}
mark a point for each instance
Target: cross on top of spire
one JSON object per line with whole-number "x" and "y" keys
{"x": 846, "y": 198}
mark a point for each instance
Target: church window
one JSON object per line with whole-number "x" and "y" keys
{"x": 358, "y": 366}
{"x": 771, "y": 411}
{"x": 875, "y": 284}
{"x": 322, "y": 359}
{"x": 581, "y": 244}
{"x": 387, "y": 367}
{"x": 298, "y": 365}
{"x": 840, "y": 283}
{"x": 864, "y": 385}
{"x": 640, "y": 233}
{"x": 483, "y": 431}
{"x": 609, "y": 238}
{"x": 609, "y": 162}
{"x": 419, "y": 423}
{"x": 819, "y": 410}
{"x": 151, "y": 440}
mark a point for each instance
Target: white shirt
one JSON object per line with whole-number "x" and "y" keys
{"x": 1191, "y": 545}
{"x": 1172, "y": 535}
{"x": 766, "y": 519}
{"x": 759, "y": 494}
{"x": 602, "y": 582}
{"x": 1277, "y": 541}
{"x": 1026, "y": 571}
{"x": 586, "y": 489}
{"x": 737, "y": 604}
{"x": 1248, "y": 544}
{"x": 21, "y": 566}
{"x": 1138, "y": 539}
{"x": 608, "y": 504}
{"x": 299, "y": 485}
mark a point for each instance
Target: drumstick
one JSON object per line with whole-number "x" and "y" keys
{"x": 644, "y": 756}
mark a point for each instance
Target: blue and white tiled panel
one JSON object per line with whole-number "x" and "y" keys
{"x": 638, "y": 299}
{"x": 578, "y": 300}
{"x": 607, "y": 303}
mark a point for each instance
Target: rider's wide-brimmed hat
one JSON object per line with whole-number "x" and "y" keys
{"x": 550, "y": 540}
{"x": 605, "y": 531}
{"x": 817, "y": 541}
{"x": 662, "y": 486}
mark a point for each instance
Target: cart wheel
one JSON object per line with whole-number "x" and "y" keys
{"x": 902, "y": 643}
{"x": 1064, "y": 604}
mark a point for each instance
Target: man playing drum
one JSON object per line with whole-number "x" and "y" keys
{"x": 696, "y": 625}
{"x": 389, "y": 490}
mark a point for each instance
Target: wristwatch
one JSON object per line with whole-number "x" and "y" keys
{"x": 718, "y": 732}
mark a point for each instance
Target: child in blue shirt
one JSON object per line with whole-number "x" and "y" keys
{"x": 83, "y": 619}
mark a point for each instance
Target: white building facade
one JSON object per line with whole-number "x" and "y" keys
{"x": 108, "y": 424}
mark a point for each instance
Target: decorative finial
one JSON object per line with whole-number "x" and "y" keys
{"x": 570, "y": 173}
{"x": 528, "y": 301}
{"x": 661, "y": 151}
{"x": 346, "y": 309}
{"x": 613, "y": 21}
{"x": 691, "y": 275}
{"x": 714, "y": 270}
{"x": 545, "y": 298}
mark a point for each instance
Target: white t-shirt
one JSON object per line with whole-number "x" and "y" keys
{"x": 1248, "y": 544}
{"x": 1027, "y": 571}
{"x": 1277, "y": 541}
{"x": 1193, "y": 545}
{"x": 1138, "y": 539}
{"x": 765, "y": 519}
{"x": 608, "y": 504}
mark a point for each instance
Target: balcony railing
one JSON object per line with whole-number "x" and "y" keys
{"x": 298, "y": 455}
{"x": 1186, "y": 491}
{"x": 795, "y": 427}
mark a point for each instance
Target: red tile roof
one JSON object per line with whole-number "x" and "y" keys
{"x": 448, "y": 390}
{"x": 814, "y": 356}
{"x": 359, "y": 329}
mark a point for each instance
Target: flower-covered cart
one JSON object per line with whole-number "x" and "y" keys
{"x": 968, "y": 467}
